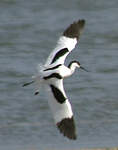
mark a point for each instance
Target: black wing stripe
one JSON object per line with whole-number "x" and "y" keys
{"x": 60, "y": 54}
{"x": 67, "y": 127}
{"x": 53, "y": 75}
{"x": 58, "y": 94}
{"x": 52, "y": 68}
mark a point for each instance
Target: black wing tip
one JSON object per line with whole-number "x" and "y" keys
{"x": 74, "y": 30}
{"x": 67, "y": 127}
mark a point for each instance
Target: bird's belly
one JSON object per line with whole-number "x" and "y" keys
{"x": 59, "y": 73}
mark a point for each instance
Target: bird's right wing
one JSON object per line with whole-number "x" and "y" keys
{"x": 66, "y": 43}
{"x": 61, "y": 109}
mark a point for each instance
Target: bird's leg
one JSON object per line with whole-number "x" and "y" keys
{"x": 28, "y": 83}
{"x": 37, "y": 92}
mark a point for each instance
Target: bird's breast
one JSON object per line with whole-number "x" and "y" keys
{"x": 64, "y": 71}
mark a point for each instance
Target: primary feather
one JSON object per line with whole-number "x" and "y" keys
{"x": 61, "y": 109}
{"x": 66, "y": 43}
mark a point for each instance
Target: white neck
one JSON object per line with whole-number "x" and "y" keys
{"x": 72, "y": 67}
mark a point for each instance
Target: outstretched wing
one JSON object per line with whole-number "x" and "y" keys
{"x": 61, "y": 109}
{"x": 66, "y": 43}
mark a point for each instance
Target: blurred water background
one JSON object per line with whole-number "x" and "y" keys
{"x": 29, "y": 30}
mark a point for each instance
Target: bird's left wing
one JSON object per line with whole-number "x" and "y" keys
{"x": 66, "y": 43}
{"x": 61, "y": 109}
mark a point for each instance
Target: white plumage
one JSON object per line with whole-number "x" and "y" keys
{"x": 52, "y": 75}
{"x": 59, "y": 110}
{"x": 63, "y": 42}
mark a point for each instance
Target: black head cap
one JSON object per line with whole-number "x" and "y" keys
{"x": 75, "y": 29}
{"x": 74, "y": 61}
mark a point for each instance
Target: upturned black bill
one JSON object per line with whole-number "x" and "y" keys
{"x": 83, "y": 69}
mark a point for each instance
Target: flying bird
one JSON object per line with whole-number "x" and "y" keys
{"x": 52, "y": 74}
